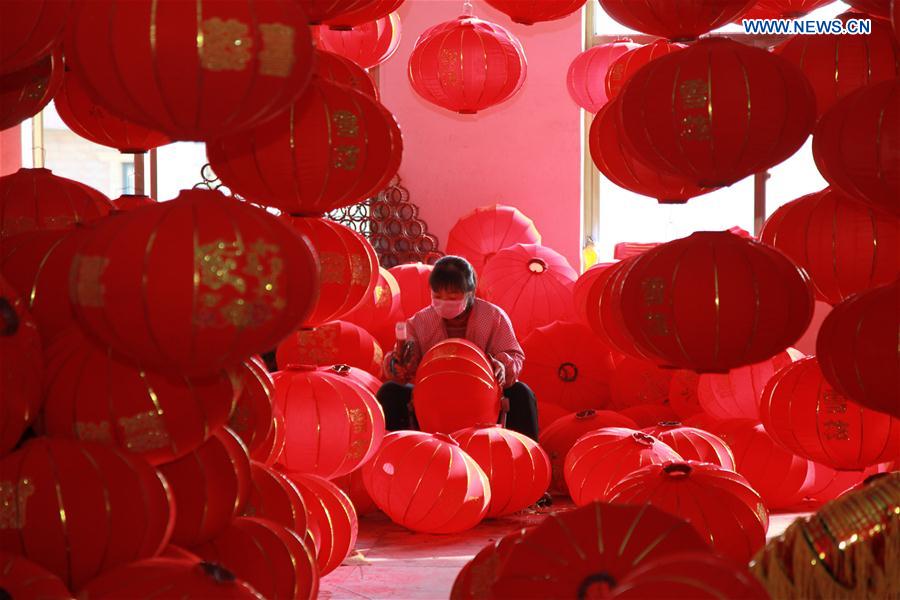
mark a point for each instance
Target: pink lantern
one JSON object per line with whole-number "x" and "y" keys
{"x": 480, "y": 234}
{"x": 415, "y": 293}
{"x": 586, "y": 79}
{"x": 368, "y": 45}
{"x": 736, "y": 394}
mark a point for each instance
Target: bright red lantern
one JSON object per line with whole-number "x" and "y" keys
{"x": 638, "y": 382}
{"x": 415, "y": 291}
{"x": 371, "y": 10}
{"x": 467, "y": 65}
{"x": 675, "y": 19}
{"x": 273, "y": 446}
{"x": 529, "y": 12}
{"x": 517, "y": 468}
{"x": 333, "y": 425}
{"x": 380, "y": 310}
{"x": 351, "y": 149}
{"x": 683, "y": 398}
{"x": 828, "y": 483}
{"x": 132, "y": 201}
{"x": 622, "y": 68}
{"x": 586, "y": 294}
{"x": 857, "y": 348}
{"x": 703, "y": 421}
{"x": 587, "y": 74}
{"x": 268, "y": 556}
{"x": 695, "y": 444}
{"x": 736, "y": 394}
{"x": 427, "y": 483}
{"x": 213, "y": 279}
{"x": 251, "y": 418}
{"x": 714, "y": 301}
{"x": 26, "y": 91}
{"x": 877, "y": 8}
{"x": 476, "y": 577}
{"x": 244, "y": 63}
{"x": 357, "y": 376}
{"x": 481, "y": 233}
{"x": 736, "y": 110}
{"x": 338, "y": 69}
{"x": 79, "y": 509}
{"x": 855, "y": 145}
{"x": 843, "y": 245}
{"x": 367, "y": 44}
{"x": 320, "y": 11}
{"x": 275, "y": 498}
{"x": 649, "y": 415}
{"x": 353, "y": 485}
{"x": 602, "y": 458}
{"x": 800, "y": 410}
{"x": 21, "y": 578}
{"x": 211, "y": 486}
{"x": 337, "y": 342}
{"x": 782, "y": 9}
{"x": 30, "y": 30}
{"x": 607, "y": 322}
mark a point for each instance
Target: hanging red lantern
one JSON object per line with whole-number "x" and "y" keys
{"x": 648, "y": 415}
{"x": 467, "y": 65}
{"x": 246, "y": 63}
{"x": 380, "y": 310}
{"x": 337, "y": 342}
{"x": 371, "y": 11}
{"x": 636, "y": 382}
{"x": 736, "y": 394}
{"x": 426, "y": 483}
{"x": 694, "y": 444}
{"x": 587, "y": 74}
{"x": 782, "y": 9}
{"x": 215, "y": 280}
{"x": 683, "y": 398}
{"x": 132, "y": 201}
{"x": 21, "y": 393}
{"x": 251, "y": 418}
{"x": 855, "y": 144}
{"x": 21, "y": 578}
{"x": 601, "y": 458}
{"x": 338, "y": 69}
{"x": 675, "y": 19}
{"x": 415, "y": 292}
{"x": 529, "y": 12}
{"x": 586, "y": 294}
{"x": 714, "y": 301}
{"x": 210, "y": 486}
{"x": 26, "y": 91}
{"x": 609, "y": 323}
{"x": 268, "y": 556}
{"x": 367, "y": 44}
{"x": 320, "y": 11}
{"x": 876, "y": 8}
{"x": 626, "y": 65}
{"x": 857, "y": 348}
{"x": 275, "y": 498}
{"x": 30, "y": 30}
{"x": 478, "y": 235}
{"x": 353, "y": 485}
{"x": 711, "y": 137}
{"x": 801, "y": 411}
{"x": 351, "y": 149}
{"x": 517, "y": 468}
{"x": 79, "y": 509}
{"x": 843, "y": 245}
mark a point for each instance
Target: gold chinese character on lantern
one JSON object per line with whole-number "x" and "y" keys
{"x": 88, "y": 289}
{"x": 654, "y": 290}
{"x": 658, "y": 324}
{"x": 93, "y": 432}
{"x": 277, "y": 55}
{"x": 837, "y": 430}
{"x": 693, "y": 93}
{"x": 217, "y": 262}
{"x": 224, "y": 44}
{"x": 695, "y": 127}
{"x": 13, "y": 501}
{"x": 333, "y": 267}
{"x": 345, "y": 157}
{"x": 448, "y": 63}
{"x": 345, "y": 123}
{"x": 145, "y": 431}
{"x": 357, "y": 270}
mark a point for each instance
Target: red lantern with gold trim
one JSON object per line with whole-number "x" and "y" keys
{"x": 415, "y": 291}
{"x": 275, "y": 498}
{"x": 587, "y": 74}
{"x": 341, "y": 70}
{"x": 694, "y": 444}
{"x": 26, "y": 91}
{"x": 675, "y": 19}
{"x": 367, "y": 44}
{"x": 21, "y": 578}
{"x": 622, "y": 68}
{"x": 609, "y": 323}
{"x": 162, "y": 577}
{"x": 337, "y": 342}
{"x": 478, "y": 235}
{"x": 251, "y": 418}
{"x": 273, "y": 445}
{"x": 736, "y": 394}
{"x": 529, "y": 12}
{"x": 380, "y": 310}
{"x": 30, "y": 30}
{"x": 353, "y": 485}
{"x": 586, "y": 295}
{"x": 475, "y": 578}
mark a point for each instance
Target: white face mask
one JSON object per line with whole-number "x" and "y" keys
{"x": 450, "y": 309}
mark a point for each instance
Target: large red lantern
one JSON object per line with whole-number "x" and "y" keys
{"x": 351, "y": 149}
{"x": 608, "y": 322}
{"x": 517, "y": 468}
{"x": 622, "y": 68}
{"x": 26, "y": 91}
{"x": 337, "y": 342}
{"x": 529, "y": 12}
{"x": 736, "y": 394}
{"x": 467, "y": 65}
{"x": 638, "y": 382}
{"x": 364, "y": 12}
{"x": 601, "y": 458}
{"x": 736, "y": 110}
{"x": 338, "y": 69}
{"x": 480, "y": 234}
{"x": 21, "y": 578}
{"x": 475, "y": 578}
{"x": 855, "y": 145}
{"x": 675, "y": 19}
{"x": 275, "y": 498}
{"x": 843, "y": 245}
{"x": 586, "y": 294}
{"x": 782, "y": 9}
{"x": 857, "y": 348}
{"x": 367, "y": 44}
{"x": 78, "y": 509}
{"x": 213, "y": 279}
{"x": 714, "y": 301}
{"x": 30, "y": 30}
{"x": 415, "y": 291}
{"x": 800, "y": 410}
{"x": 587, "y": 74}
{"x": 252, "y": 417}
{"x": 427, "y": 483}
{"x": 380, "y": 310}
{"x": 168, "y": 577}
{"x": 694, "y": 444}
{"x": 204, "y": 70}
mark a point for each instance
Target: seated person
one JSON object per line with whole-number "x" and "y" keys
{"x": 455, "y": 312}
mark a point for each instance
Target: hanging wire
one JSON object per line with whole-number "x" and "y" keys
{"x": 468, "y": 9}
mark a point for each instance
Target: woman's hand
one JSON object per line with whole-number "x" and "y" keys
{"x": 499, "y": 371}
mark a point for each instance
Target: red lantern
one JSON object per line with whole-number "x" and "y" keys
{"x": 273, "y": 446}
{"x": 609, "y": 323}
{"x": 275, "y": 498}
{"x": 480, "y": 234}
{"x": 828, "y": 483}
{"x": 380, "y": 310}
{"x": 21, "y": 578}
{"x": 208, "y": 70}
{"x": 415, "y": 292}
{"x": 683, "y": 395}
{"x": 674, "y": 19}
{"x": 426, "y": 483}
{"x": 357, "y": 376}
{"x": 516, "y": 467}
{"x": 368, "y": 44}
{"x": 586, "y": 294}
{"x": 736, "y": 394}
{"x": 694, "y": 444}
{"x": 268, "y": 556}
{"x": 782, "y": 9}
{"x": 333, "y": 425}
{"x": 714, "y": 301}
{"x": 857, "y": 348}
{"x": 213, "y": 279}
{"x": 844, "y": 245}
{"x": 586, "y": 79}
{"x": 703, "y": 421}
{"x": 855, "y": 145}
{"x": 36, "y": 199}
{"x": 622, "y": 68}
{"x": 529, "y": 12}
{"x": 602, "y": 458}
{"x": 636, "y": 382}
{"x": 210, "y": 485}
{"x": 337, "y": 342}
{"x": 132, "y": 201}
{"x": 800, "y": 410}
{"x": 351, "y": 149}
{"x": 29, "y": 31}
{"x": 353, "y": 485}
{"x": 532, "y": 283}
{"x": 79, "y": 509}
{"x": 476, "y": 577}
{"x": 737, "y": 110}
{"x": 338, "y": 69}
{"x": 877, "y": 8}
{"x": 26, "y": 91}
{"x": 486, "y": 65}
{"x": 320, "y": 11}
{"x": 371, "y": 11}
{"x": 648, "y": 415}
{"x": 251, "y": 418}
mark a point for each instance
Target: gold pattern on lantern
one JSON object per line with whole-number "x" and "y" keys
{"x": 378, "y": 355}
{"x": 144, "y": 431}
{"x": 837, "y": 430}
{"x": 654, "y": 290}
{"x": 88, "y": 289}
{"x": 693, "y": 93}
{"x": 835, "y": 403}
{"x": 657, "y": 324}
{"x": 448, "y": 64}
{"x": 345, "y": 123}
{"x": 318, "y": 346}
{"x": 381, "y": 296}
{"x": 13, "y": 501}
{"x": 357, "y": 419}
{"x": 357, "y": 270}
{"x": 345, "y": 157}
{"x": 333, "y": 267}
{"x": 226, "y": 45}
{"x": 695, "y": 127}
{"x": 93, "y": 432}
{"x": 277, "y": 55}
{"x": 357, "y": 450}
{"x": 217, "y": 263}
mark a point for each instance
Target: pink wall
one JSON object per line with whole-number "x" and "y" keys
{"x": 525, "y": 152}
{"x": 10, "y": 150}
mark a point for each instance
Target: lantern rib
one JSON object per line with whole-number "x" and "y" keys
{"x": 106, "y": 503}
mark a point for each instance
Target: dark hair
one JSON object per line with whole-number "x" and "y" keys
{"x": 452, "y": 273}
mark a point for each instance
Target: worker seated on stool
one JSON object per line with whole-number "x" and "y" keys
{"x": 455, "y": 312}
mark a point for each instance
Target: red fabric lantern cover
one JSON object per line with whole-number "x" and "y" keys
{"x": 876, "y": 8}
{"x": 529, "y": 12}
{"x": 427, "y": 483}
{"x": 517, "y": 468}
{"x": 714, "y": 301}
{"x": 320, "y": 11}
{"x": 333, "y": 425}
{"x": 855, "y": 145}
{"x": 782, "y": 9}
{"x": 26, "y": 91}
{"x": 626, "y": 65}
{"x": 351, "y": 149}
{"x": 30, "y": 30}
{"x": 208, "y": 70}
{"x": 78, "y": 509}
{"x": 683, "y": 395}
{"x": 36, "y": 199}
{"x": 337, "y": 342}
{"x": 610, "y": 322}
{"x": 251, "y": 418}
{"x": 486, "y": 66}
{"x": 273, "y": 446}
{"x": 415, "y": 292}
{"x": 675, "y": 19}
{"x": 367, "y": 44}
{"x": 210, "y": 485}
{"x": 828, "y": 483}
{"x": 476, "y": 577}
{"x": 696, "y": 444}
{"x": 857, "y": 348}
{"x": 736, "y": 394}
{"x": 532, "y": 283}
{"x": 21, "y": 578}
{"x": 602, "y": 458}
{"x": 587, "y": 74}
{"x": 636, "y": 382}
{"x": 648, "y": 415}
{"x": 737, "y": 110}
{"x": 844, "y": 246}
{"x": 132, "y": 201}
{"x": 370, "y": 11}
{"x": 357, "y": 376}
{"x": 481, "y": 233}
{"x": 703, "y": 421}
{"x": 214, "y": 280}
{"x": 800, "y": 410}
{"x": 268, "y": 556}
{"x": 380, "y": 310}
{"x": 586, "y": 294}
{"x": 353, "y": 485}
{"x": 275, "y": 498}
{"x": 338, "y": 69}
